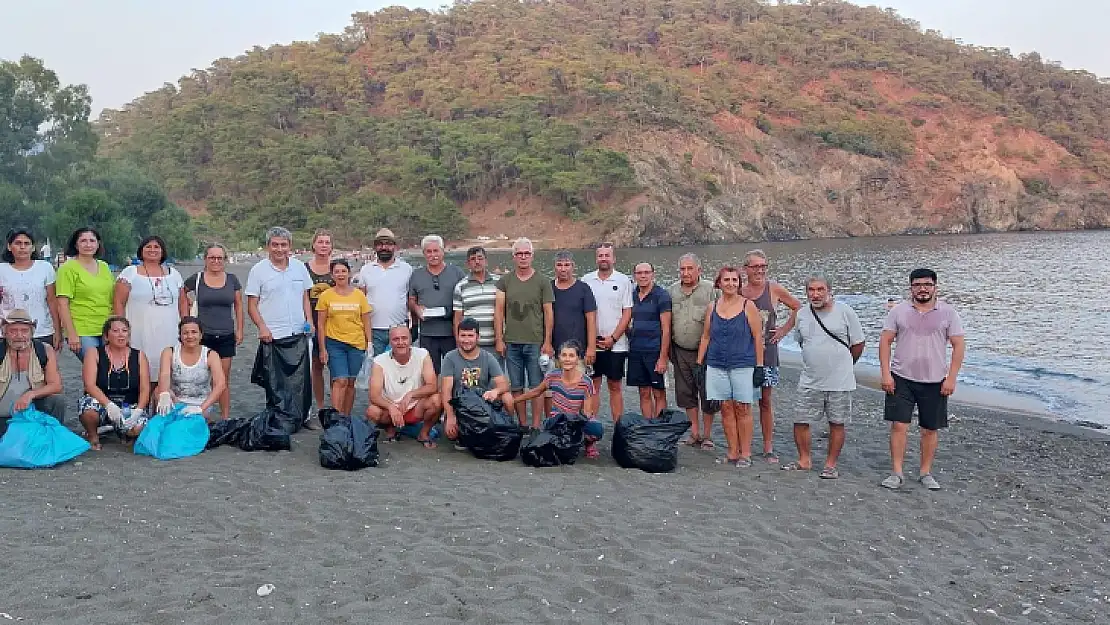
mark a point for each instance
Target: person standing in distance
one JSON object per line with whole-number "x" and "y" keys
{"x": 919, "y": 372}
{"x": 649, "y": 341}
{"x": 475, "y": 297}
{"x": 522, "y": 324}
{"x": 613, "y": 295}
{"x": 767, "y": 295}
{"x": 385, "y": 280}
{"x": 831, "y": 339}
{"x": 690, "y": 299}
{"x": 431, "y": 300}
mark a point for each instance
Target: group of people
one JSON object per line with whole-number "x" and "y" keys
{"x": 150, "y": 340}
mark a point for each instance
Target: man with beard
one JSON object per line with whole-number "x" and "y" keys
{"x": 613, "y": 295}
{"x": 403, "y": 389}
{"x": 386, "y": 283}
{"x": 690, "y": 298}
{"x": 831, "y": 339}
{"x": 431, "y": 296}
{"x": 767, "y": 295}
{"x": 918, "y": 375}
{"x": 28, "y": 371}
{"x": 470, "y": 366}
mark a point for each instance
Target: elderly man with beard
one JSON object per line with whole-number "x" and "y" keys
{"x": 690, "y": 299}
{"x": 385, "y": 281}
{"x": 28, "y": 371}
{"x": 831, "y": 339}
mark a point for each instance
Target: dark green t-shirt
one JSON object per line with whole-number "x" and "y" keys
{"x": 524, "y": 302}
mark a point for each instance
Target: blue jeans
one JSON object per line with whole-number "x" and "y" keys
{"x": 594, "y": 430}
{"x": 88, "y": 344}
{"x": 344, "y": 360}
{"x": 523, "y": 363}
{"x": 380, "y": 340}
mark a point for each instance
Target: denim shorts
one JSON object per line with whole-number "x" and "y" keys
{"x": 344, "y": 360}
{"x": 523, "y": 362}
{"x": 730, "y": 384}
{"x": 88, "y": 344}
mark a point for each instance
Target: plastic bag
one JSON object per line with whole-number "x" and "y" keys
{"x": 485, "y": 428}
{"x": 557, "y": 443}
{"x": 226, "y": 432}
{"x": 362, "y": 380}
{"x": 281, "y": 368}
{"x": 266, "y": 431}
{"x": 349, "y": 444}
{"x": 327, "y": 416}
{"x": 649, "y": 444}
{"x": 36, "y": 440}
{"x": 174, "y": 435}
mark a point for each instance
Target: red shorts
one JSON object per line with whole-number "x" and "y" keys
{"x": 411, "y": 417}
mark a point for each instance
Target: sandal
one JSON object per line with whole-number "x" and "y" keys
{"x": 692, "y": 441}
{"x": 794, "y": 466}
{"x": 770, "y": 457}
{"x": 427, "y": 443}
{"x": 829, "y": 473}
{"x": 394, "y": 438}
{"x": 707, "y": 444}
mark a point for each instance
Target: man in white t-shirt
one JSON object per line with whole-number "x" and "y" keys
{"x": 403, "y": 389}
{"x": 831, "y": 339}
{"x": 385, "y": 281}
{"x": 613, "y": 295}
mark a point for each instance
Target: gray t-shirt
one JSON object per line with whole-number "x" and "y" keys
{"x": 826, "y": 364}
{"x": 477, "y": 373}
{"x": 436, "y": 292}
{"x": 216, "y": 307}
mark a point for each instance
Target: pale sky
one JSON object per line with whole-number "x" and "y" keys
{"x": 124, "y": 48}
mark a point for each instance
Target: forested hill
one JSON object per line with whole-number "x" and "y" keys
{"x": 654, "y": 121}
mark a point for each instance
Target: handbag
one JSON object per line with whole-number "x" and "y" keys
{"x": 194, "y": 309}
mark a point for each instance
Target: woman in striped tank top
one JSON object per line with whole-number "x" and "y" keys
{"x": 572, "y": 392}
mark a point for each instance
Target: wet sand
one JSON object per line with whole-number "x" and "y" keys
{"x": 1019, "y": 535}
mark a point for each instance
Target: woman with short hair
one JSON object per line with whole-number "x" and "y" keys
{"x": 219, "y": 310}
{"x": 84, "y": 288}
{"x": 148, "y": 294}
{"x": 117, "y": 388}
{"x": 27, "y": 283}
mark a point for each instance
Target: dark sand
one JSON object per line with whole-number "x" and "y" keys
{"x": 1019, "y": 535}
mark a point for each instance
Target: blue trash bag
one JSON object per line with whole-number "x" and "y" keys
{"x": 174, "y": 435}
{"x": 36, "y": 440}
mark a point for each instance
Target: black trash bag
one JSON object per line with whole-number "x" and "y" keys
{"x": 282, "y": 369}
{"x": 558, "y": 442}
{"x": 649, "y": 444}
{"x": 266, "y": 431}
{"x": 226, "y": 432}
{"x": 327, "y": 416}
{"x": 485, "y": 428}
{"x": 349, "y": 444}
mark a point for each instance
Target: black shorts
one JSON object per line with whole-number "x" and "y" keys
{"x": 932, "y": 407}
{"x": 222, "y": 344}
{"x": 609, "y": 364}
{"x": 641, "y": 370}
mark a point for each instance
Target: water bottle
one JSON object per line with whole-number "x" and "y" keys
{"x": 545, "y": 363}
{"x": 125, "y": 410}
{"x": 306, "y": 328}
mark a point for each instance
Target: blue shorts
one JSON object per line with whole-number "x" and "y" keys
{"x": 344, "y": 359}
{"x": 89, "y": 344}
{"x": 523, "y": 362}
{"x": 730, "y": 384}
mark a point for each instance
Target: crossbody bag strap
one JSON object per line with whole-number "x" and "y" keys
{"x": 827, "y": 331}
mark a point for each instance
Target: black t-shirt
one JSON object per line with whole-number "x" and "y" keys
{"x": 570, "y": 308}
{"x": 216, "y": 307}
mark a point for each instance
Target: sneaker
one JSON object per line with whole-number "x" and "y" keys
{"x": 312, "y": 421}
{"x": 459, "y": 447}
{"x": 928, "y": 481}
{"x": 894, "y": 482}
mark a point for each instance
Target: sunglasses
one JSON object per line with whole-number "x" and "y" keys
{"x": 435, "y": 282}
{"x": 922, "y": 285}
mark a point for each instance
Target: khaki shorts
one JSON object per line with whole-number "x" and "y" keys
{"x": 817, "y": 406}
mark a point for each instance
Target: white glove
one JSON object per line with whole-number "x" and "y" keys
{"x": 115, "y": 413}
{"x": 165, "y": 403}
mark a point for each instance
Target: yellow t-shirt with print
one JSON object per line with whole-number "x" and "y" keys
{"x": 345, "y": 313}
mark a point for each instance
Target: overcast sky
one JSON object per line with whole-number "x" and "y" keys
{"x": 124, "y": 48}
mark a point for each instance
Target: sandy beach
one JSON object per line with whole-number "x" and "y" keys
{"x": 1017, "y": 536}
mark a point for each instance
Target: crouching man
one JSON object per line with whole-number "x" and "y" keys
{"x": 28, "y": 372}
{"x": 403, "y": 389}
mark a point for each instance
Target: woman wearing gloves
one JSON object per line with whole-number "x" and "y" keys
{"x": 190, "y": 373}
{"x": 116, "y": 388}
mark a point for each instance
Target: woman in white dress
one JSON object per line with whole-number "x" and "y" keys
{"x": 190, "y": 373}
{"x": 148, "y": 295}
{"x": 28, "y": 283}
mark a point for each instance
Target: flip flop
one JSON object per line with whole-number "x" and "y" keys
{"x": 794, "y": 466}
{"x": 427, "y": 443}
{"x": 769, "y": 456}
{"x": 829, "y": 473}
{"x": 692, "y": 441}
{"x": 707, "y": 444}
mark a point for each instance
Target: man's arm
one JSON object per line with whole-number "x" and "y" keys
{"x": 886, "y": 340}
{"x": 591, "y": 332}
{"x": 264, "y": 333}
{"x": 428, "y": 374}
{"x": 958, "y": 348}
{"x": 309, "y": 316}
{"x": 665, "y": 349}
{"x": 377, "y": 385}
{"x": 499, "y": 321}
{"x": 415, "y": 308}
{"x": 548, "y": 327}
{"x": 622, "y": 325}
{"x": 780, "y": 293}
{"x": 53, "y": 384}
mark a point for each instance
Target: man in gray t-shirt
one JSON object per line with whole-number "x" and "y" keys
{"x": 431, "y": 296}
{"x": 470, "y": 366}
{"x": 831, "y": 338}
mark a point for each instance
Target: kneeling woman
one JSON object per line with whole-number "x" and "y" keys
{"x": 116, "y": 388}
{"x": 571, "y": 392}
{"x": 190, "y": 373}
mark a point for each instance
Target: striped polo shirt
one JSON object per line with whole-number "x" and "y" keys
{"x": 476, "y": 299}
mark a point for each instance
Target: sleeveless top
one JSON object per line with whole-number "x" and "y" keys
{"x": 767, "y": 311}
{"x": 731, "y": 344}
{"x": 320, "y": 282}
{"x": 121, "y": 385}
{"x": 190, "y": 385}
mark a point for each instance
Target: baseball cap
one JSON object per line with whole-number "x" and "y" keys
{"x": 468, "y": 323}
{"x": 385, "y": 234}
{"x": 19, "y": 316}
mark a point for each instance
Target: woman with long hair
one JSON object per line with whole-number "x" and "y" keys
{"x": 572, "y": 392}
{"x": 28, "y": 283}
{"x": 190, "y": 373}
{"x": 730, "y": 357}
{"x": 319, "y": 269}
{"x": 220, "y": 311}
{"x": 343, "y": 332}
{"x": 84, "y": 288}
{"x": 117, "y": 387}
{"x": 149, "y": 295}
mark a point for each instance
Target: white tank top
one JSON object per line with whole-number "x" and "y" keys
{"x": 191, "y": 385}
{"x": 401, "y": 379}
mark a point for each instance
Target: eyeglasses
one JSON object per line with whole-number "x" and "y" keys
{"x": 219, "y": 258}
{"x": 522, "y": 254}
{"x": 161, "y": 296}
{"x": 922, "y": 285}
{"x": 757, "y": 267}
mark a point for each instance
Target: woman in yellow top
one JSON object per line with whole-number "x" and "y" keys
{"x": 344, "y": 331}
{"x": 84, "y": 288}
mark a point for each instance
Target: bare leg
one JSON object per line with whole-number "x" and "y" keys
{"x": 348, "y": 396}
{"x": 732, "y": 435}
{"x": 430, "y": 408}
{"x": 91, "y": 420}
{"x": 767, "y": 420}
{"x": 897, "y": 445}
{"x": 660, "y": 397}
{"x": 616, "y": 399}
{"x": 695, "y": 424}
{"x": 646, "y": 402}
{"x": 537, "y": 411}
{"x": 928, "y": 450}
{"x": 707, "y": 426}
{"x": 318, "y": 381}
{"x": 744, "y": 426}
{"x": 802, "y": 440}
{"x": 836, "y": 443}
{"x": 225, "y": 397}
{"x": 337, "y": 397}
{"x": 521, "y": 412}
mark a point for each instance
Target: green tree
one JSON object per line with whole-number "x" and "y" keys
{"x": 97, "y": 209}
